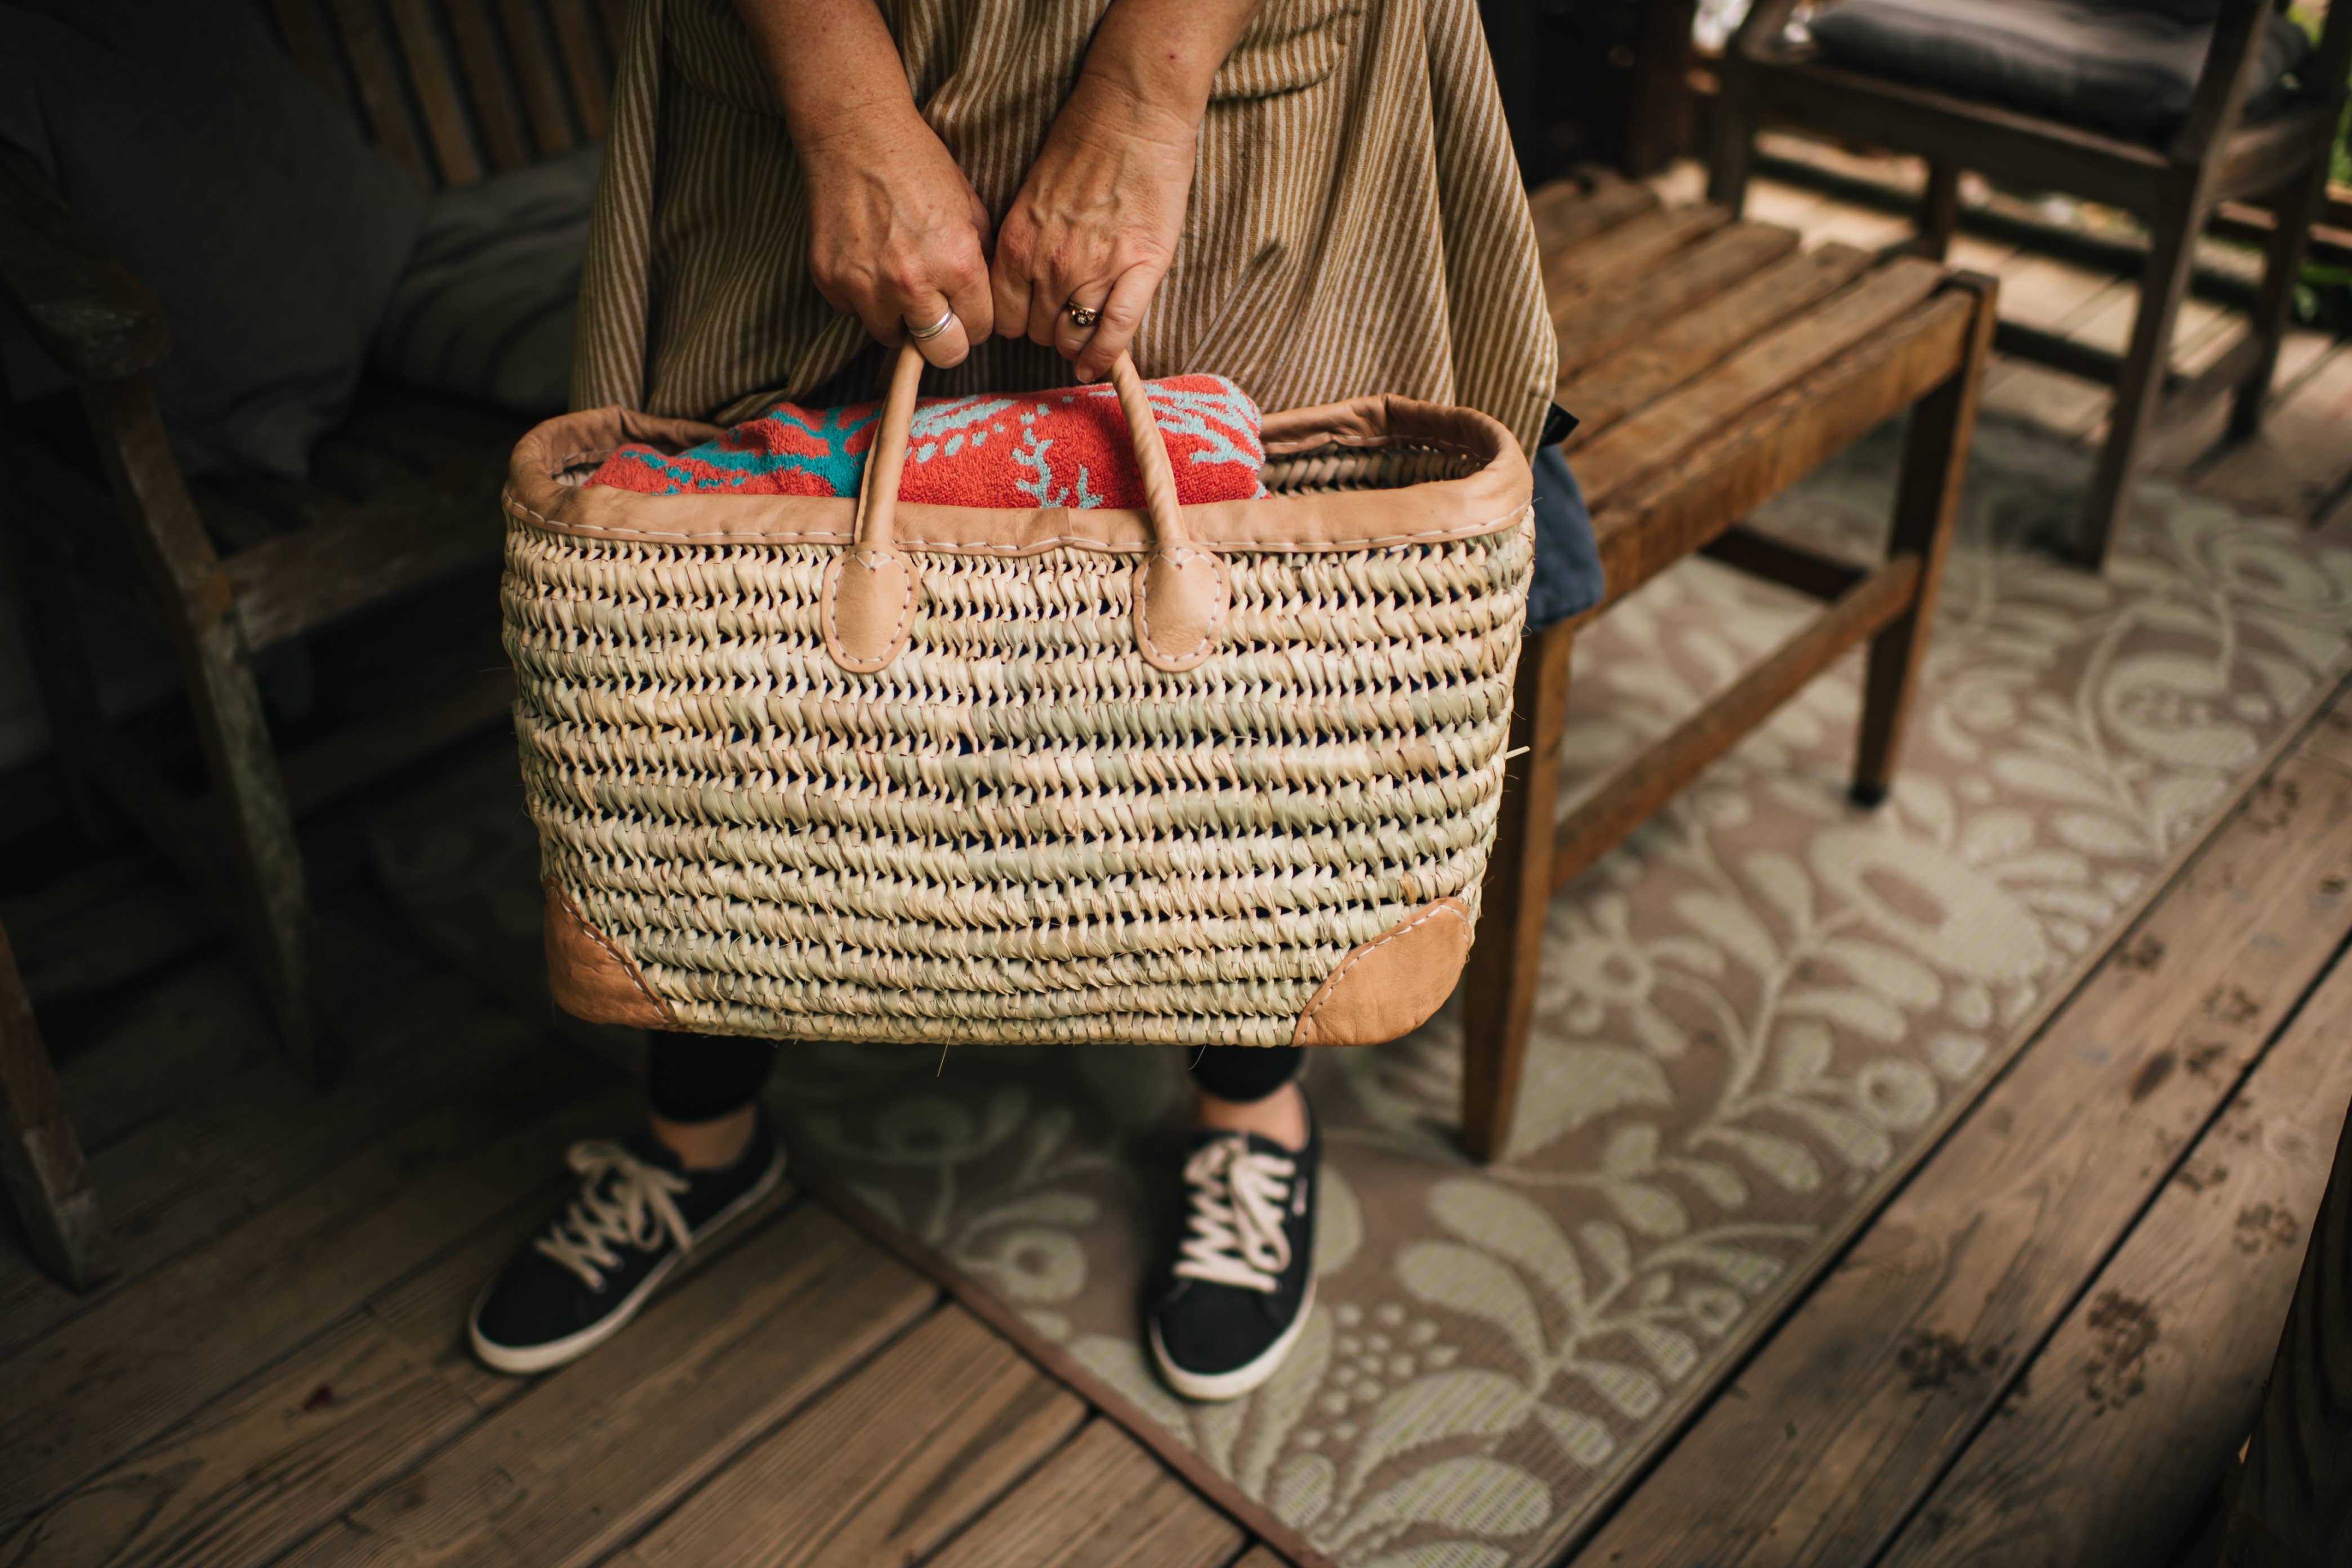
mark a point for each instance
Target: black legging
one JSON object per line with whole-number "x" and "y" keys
{"x": 701, "y": 1078}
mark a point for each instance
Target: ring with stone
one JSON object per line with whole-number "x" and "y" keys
{"x": 1083, "y": 315}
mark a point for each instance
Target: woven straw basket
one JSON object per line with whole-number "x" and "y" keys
{"x": 814, "y": 769}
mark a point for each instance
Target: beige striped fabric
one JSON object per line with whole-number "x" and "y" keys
{"x": 1356, "y": 223}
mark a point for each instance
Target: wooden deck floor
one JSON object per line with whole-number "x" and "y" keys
{"x": 2043, "y": 1351}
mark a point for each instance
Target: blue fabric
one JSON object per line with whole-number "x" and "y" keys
{"x": 1568, "y": 563}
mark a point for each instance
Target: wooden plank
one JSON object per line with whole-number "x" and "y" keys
{"x": 577, "y": 40}
{"x": 1665, "y": 430}
{"x": 1654, "y": 366}
{"x": 486, "y": 80}
{"x": 527, "y": 53}
{"x": 370, "y": 59}
{"x": 885, "y": 1467}
{"x": 2303, "y": 454}
{"x": 1633, "y": 795}
{"x": 227, "y": 1146}
{"x": 1640, "y": 242}
{"x": 1758, "y": 456}
{"x": 1110, "y": 1505}
{"x": 2117, "y": 1430}
{"x": 2330, "y": 739}
{"x": 1613, "y": 316}
{"x": 1840, "y": 1423}
{"x": 1263, "y": 1556}
{"x": 437, "y": 94}
{"x": 592, "y": 1454}
{"x": 259, "y": 1470}
{"x": 297, "y": 27}
{"x": 141, "y": 1360}
{"x": 1565, "y": 221}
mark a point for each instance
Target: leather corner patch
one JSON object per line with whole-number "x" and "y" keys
{"x": 1390, "y": 984}
{"x": 867, "y": 602}
{"x": 590, "y": 977}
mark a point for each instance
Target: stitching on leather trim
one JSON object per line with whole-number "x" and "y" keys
{"x": 628, "y": 965}
{"x": 1036, "y": 546}
{"x": 1330, "y": 987}
{"x": 1143, "y": 613}
{"x": 831, "y": 603}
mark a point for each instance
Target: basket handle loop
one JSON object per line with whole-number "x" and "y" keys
{"x": 867, "y": 604}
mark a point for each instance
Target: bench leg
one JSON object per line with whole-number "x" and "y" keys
{"x": 1926, "y": 508}
{"x": 256, "y": 853}
{"x": 1940, "y": 211}
{"x": 39, "y": 1158}
{"x": 1499, "y": 982}
{"x": 2297, "y": 210}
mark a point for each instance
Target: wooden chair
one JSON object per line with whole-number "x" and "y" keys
{"x": 1713, "y": 366}
{"x": 2279, "y": 162}
{"x": 40, "y": 1159}
{"x": 405, "y": 494}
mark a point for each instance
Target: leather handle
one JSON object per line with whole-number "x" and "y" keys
{"x": 1181, "y": 593}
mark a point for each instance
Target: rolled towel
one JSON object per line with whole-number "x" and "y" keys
{"x": 1065, "y": 447}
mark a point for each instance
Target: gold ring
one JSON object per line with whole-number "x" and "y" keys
{"x": 1081, "y": 315}
{"x": 925, "y": 334}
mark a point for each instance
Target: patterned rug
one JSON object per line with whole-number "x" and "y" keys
{"x": 1756, "y": 1016}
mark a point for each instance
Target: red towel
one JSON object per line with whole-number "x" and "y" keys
{"x": 1066, "y": 447}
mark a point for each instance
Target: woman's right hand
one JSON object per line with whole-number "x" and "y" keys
{"x": 896, "y": 235}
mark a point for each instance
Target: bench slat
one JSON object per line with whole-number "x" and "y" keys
{"x": 494, "y": 105}
{"x": 371, "y": 61}
{"x": 1639, "y": 242}
{"x": 1576, "y": 214}
{"x": 1600, "y": 322}
{"x": 437, "y": 94}
{"x": 577, "y": 39}
{"x": 1758, "y": 368}
{"x": 542, "y": 98}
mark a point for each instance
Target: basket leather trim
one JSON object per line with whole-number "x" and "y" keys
{"x": 592, "y": 978}
{"x": 1391, "y": 985}
{"x": 1490, "y": 500}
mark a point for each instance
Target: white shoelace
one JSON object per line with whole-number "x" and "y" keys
{"x": 1236, "y": 1220}
{"x": 635, "y": 1209}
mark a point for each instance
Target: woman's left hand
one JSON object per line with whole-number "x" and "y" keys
{"x": 1096, "y": 224}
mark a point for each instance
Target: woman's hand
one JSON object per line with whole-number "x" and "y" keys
{"x": 1096, "y": 224}
{"x": 897, "y": 236}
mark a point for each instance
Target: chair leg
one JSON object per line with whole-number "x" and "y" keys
{"x": 39, "y": 1158}
{"x": 262, "y": 855}
{"x": 1499, "y": 981}
{"x": 1927, "y": 510}
{"x": 1734, "y": 154}
{"x": 2282, "y": 265}
{"x": 1939, "y": 212}
{"x": 2140, "y": 386}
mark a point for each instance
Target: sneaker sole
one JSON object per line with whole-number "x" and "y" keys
{"x": 520, "y": 1361}
{"x": 1211, "y": 1388}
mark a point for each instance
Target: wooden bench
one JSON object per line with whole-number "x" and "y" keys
{"x": 405, "y": 493}
{"x": 1714, "y": 365}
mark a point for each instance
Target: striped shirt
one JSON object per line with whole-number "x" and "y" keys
{"x": 1356, "y": 226}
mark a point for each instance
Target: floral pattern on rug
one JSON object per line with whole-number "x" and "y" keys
{"x": 1754, "y": 1016}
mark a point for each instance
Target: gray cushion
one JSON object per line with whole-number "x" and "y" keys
{"x": 485, "y": 309}
{"x": 201, "y": 157}
{"x": 2126, "y": 67}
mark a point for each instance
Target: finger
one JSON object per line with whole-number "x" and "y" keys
{"x": 949, "y": 346}
{"x": 973, "y": 302}
{"x": 1070, "y": 338}
{"x": 1008, "y": 285}
{"x": 1122, "y": 318}
{"x": 1047, "y": 296}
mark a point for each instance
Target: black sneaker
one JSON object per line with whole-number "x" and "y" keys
{"x": 1244, "y": 1278}
{"x": 638, "y": 1216}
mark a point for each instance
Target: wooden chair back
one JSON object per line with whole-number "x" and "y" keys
{"x": 456, "y": 89}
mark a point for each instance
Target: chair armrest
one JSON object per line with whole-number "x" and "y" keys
{"x": 1759, "y": 35}
{"x": 84, "y": 310}
{"x": 2223, "y": 86}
